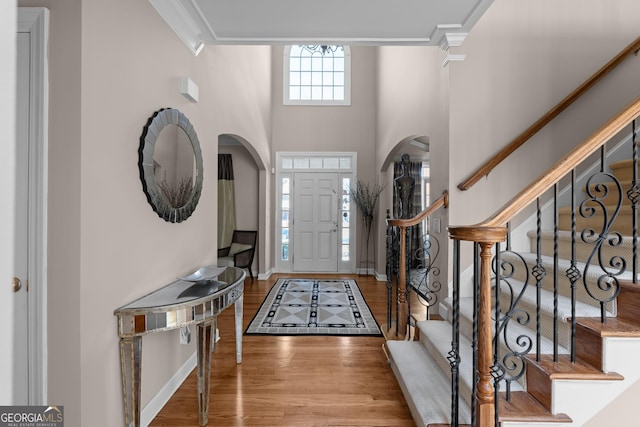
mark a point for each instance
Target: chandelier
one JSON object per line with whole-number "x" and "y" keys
{"x": 323, "y": 49}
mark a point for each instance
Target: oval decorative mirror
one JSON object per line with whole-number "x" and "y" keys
{"x": 170, "y": 162}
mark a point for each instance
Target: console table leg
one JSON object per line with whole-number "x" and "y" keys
{"x": 204, "y": 370}
{"x": 238, "y": 308}
{"x": 130, "y": 363}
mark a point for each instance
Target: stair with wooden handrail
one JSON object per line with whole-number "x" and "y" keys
{"x": 548, "y": 333}
{"x": 499, "y": 157}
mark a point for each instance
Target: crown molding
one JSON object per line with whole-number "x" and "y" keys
{"x": 181, "y": 20}
{"x": 451, "y": 39}
{"x": 452, "y": 58}
{"x": 194, "y": 22}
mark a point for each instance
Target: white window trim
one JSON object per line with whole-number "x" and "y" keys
{"x": 308, "y": 102}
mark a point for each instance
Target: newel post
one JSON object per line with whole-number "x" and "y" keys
{"x": 485, "y": 405}
{"x": 486, "y": 237}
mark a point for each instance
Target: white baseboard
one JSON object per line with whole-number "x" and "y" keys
{"x": 161, "y": 398}
{"x": 266, "y": 275}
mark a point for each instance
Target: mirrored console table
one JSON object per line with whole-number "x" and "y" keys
{"x": 178, "y": 304}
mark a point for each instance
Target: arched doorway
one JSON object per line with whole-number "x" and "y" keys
{"x": 250, "y": 193}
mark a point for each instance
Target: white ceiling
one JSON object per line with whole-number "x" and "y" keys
{"x": 441, "y": 23}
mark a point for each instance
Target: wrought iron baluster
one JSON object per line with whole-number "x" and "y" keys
{"x": 474, "y": 343}
{"x": 607, "y": 286}
{"x": 454, "y": 354}
{"x": 555, "y": 273}
{"x": 573, "y": 274}
{"x": 633, "y": 194}
{"x": 509, "y": 351}
{"x": 496, "y": 370}
{"x": 423, "y": 280}
{"x": 538, "y": 273}
{"x": 389, "y": 271}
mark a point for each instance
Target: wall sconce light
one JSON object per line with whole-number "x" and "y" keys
{"x": 189, "y": 89}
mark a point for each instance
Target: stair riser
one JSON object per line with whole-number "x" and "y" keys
{"x": 466, "y": 329}
{"x": 613, "y": 196}
{"x": 546, "y": 323}
{"x": 564, "y": 285}
{"x": 629, "y": 302}
{"x": 443, "y": 363}
{"x": 623, "y": 170}
{"x": 621, "y": 224}
{"x": 589, "y": 346}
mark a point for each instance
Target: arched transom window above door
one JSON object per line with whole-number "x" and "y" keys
{"x": 317, "y": 75}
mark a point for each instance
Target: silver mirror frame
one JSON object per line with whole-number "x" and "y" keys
{"x": 148, "y": 139}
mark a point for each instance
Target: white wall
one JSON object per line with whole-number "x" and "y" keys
{"x": 8, "y": 21}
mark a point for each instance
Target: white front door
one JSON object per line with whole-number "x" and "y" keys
{"x": 315, "y": 222}
{"x": 21, "y": 313}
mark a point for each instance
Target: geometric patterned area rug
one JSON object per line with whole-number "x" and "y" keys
{"x": 314, "y": 307}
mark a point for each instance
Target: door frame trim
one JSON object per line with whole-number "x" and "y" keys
{"x": 35, "y": 20}
{"x": 285, "y": 266}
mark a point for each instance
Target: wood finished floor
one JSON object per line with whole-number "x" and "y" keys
{"x": 295, "y": 381}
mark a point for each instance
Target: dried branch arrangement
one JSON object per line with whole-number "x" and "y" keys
{"x": 177, "y": 193}
{"x": 365, "y": 197}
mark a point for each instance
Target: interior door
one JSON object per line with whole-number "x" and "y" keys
{"x": 21, "y": 313}
{"x": 315, "y": 222}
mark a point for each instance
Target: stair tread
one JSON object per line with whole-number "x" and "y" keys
{"x": 614, "y": 327}
{"x": 419, "y": 375}
{"x": 522, "y": 408}
{"x": 564, "y": 369}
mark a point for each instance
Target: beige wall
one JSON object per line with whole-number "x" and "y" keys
{"x": 407, "y": 85}
{"x": 412, "y": 101}
{"x": 112, "y": 65}
{"x": 331, "y": 128}
{"x": 620, "y": 412}
{"x": 521, "y": 59}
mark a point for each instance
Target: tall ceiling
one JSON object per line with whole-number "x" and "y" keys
{"x": 443, "y": 23}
